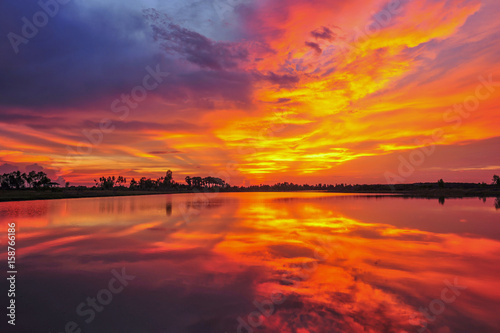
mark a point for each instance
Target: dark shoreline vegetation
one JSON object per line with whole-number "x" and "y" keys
{"x": 18, "y": 186}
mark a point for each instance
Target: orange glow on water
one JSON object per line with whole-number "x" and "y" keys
{"x": 350, "y": 268}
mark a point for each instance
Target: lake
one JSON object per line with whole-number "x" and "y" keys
{"x": 255, "y": 262}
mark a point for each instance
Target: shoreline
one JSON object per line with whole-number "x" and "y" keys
{"x": 32, "y": 195}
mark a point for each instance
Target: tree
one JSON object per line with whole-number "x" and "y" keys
{"x": 219, "y": 182}
{"x": 106, "y": 183}
{"x": 197, "y": 181}
{"x": 120, "y": 181}
{"x": 41, "y": 180}
{"x": 207, "y": 181}
{"x": 28, "y": 178}
{"x": 441, "y": 183}
{"x": 147, "y": 183}
{"x": 496, "y": 180}
{"x": 4, "y": 182}
{"x": 168, "y": 180}
{"x": 16, "y": 180}
{"x": 188, "y": 180}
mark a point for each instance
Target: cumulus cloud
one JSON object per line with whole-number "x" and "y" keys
{"x": 8, "y": 168}
{"x": 52, "y": 173}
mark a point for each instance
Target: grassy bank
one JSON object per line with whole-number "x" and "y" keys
{"x": 453, "y": 193}
{"x": 428, "y": 190}
{"x": 406, "y": 190}
{"x": 21, "y": 195}
{"x": 434, "y": 193}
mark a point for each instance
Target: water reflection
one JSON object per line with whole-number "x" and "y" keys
{"x": 168, "y": 206}
{"x": 320, "y": 262}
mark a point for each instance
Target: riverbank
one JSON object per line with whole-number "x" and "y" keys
{"x": 410, "y": 192}
{"x": 51, "y": 194}
{"x": 436, "y": 193}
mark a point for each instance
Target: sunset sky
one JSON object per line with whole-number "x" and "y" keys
{"x": 252, "y": 91}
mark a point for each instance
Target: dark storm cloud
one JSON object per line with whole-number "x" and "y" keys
{"x": 324, "y": 33}
{"x": 193, "y": 46}
{"x": 282, "y": 100}
{"x": 315, "y": 47}
{"x": 78, "y": 56}
{"x": 144, "y": 125}
{"x": 11, "y": 117}
{"x": 164, "y": 152}
{"x": 206, "y": 84}
{"x": 31, "y": 119}
{"x": 283, "y": 80}
{"x": 87, "y": 56}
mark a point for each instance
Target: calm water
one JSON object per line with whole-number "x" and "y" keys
{"x": 255, "y": 262}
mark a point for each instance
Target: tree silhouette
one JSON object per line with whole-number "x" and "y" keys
{"x": 496, "y": 180}
{"x": 17, "y": 180}
{"x": 120, "y": 181}
{"x": 197, "y": 182}
{"x": 41, "y": 180}
{"x": 28, "y": 178}
{"x": 167, "y": 181}
{"x": 106, "y": 183}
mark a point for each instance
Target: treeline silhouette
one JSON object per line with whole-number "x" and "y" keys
{"x": 214, "y": 183}
{"x": 162, "y": 183}
{"x": 40, "y": 180}
{"x": 17, "y": 180}
{"x": 440, "y": 185}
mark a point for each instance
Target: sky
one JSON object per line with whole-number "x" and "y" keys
{"x": 251, "y": 91}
